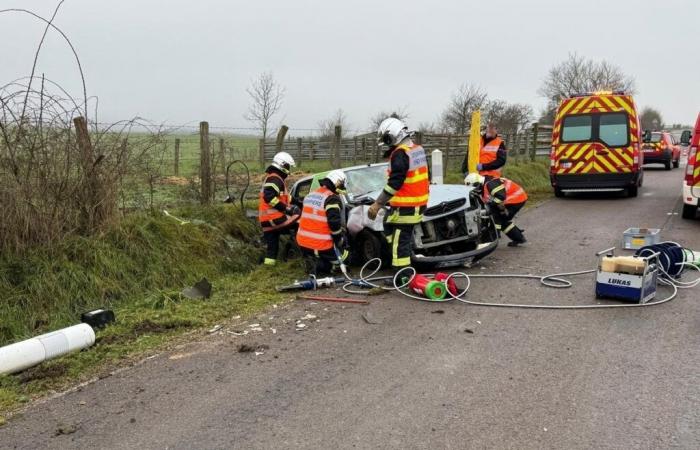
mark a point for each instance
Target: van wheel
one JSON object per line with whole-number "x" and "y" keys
{"x": 369, "y": 246}
{"x": 667, "y": 165}
{"x": 632, "y": 191}
{"x": 676, "y": 163}
{"x": 558, "y": 192}
{"x": 689, "y": 211}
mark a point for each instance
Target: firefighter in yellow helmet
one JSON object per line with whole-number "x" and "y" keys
{"x": 320, "y": 235}
{"x": 275, "y": 212}
{"x": 406, "y": 191}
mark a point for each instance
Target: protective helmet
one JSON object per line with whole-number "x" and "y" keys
{"x": 392, "y": 131}
{"x": 337, "y": 177}
{"x": 474, "y": 180}
{"x": 283, "y": 161}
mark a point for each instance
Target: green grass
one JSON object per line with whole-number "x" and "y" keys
{"x": 138, "y": 270}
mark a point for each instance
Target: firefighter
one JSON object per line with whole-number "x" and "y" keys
{"x": 406, "y": 191}
{"x": 320, "y": 232}
{"x": 275, "y": 213}
{"x": 492, "y": 155}
{"x": 504, "y": 199}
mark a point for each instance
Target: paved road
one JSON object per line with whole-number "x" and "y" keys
{"x": 522, "y": 379}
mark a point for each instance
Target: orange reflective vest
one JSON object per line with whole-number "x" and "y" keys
{"x": 314, "y": 232}
{"x": 266, "y": 213}
{"x": 416, "y": 187}
{"x": 514, "y": 192}
{"x": 488, "y": 154}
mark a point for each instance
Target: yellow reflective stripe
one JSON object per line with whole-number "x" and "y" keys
{"x": 389, "y": 190}
{"x": 332, "y": 205}
{"x": 399, "y": 199}
{"x": 274, "y": 201}
{"x": 498, "y": 227}
{"x": 401, "y": 262}
{"x": 395, "y": 245}
{"x": 498, "y": 188}
{"x": 696, "y": 173}
{"x": 416, "y": 178}
{"x": 336, "y": 232}
{"x": 396, "y": 218}
{"x": 272, "y": 185}
{"x": 509, "y": 227}
{"x": 312, "y": 235}
{"x": 270, "y": 262}
{"x": 497, "y": 200}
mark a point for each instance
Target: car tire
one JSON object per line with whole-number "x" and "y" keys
{"x": 558, "y": 192}
{"x": 677, "y": 163}
{"x": 689, "y": 211}
{"x": 370, "y": 246}
{"x": 667, "y": 164}
{"x": 632, "y": 191}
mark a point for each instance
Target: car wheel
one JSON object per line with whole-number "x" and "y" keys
{"x": 677, "y": 163}
{"x": 632, "y": 191}
{"x": 689, "y": 211}
{"x": 558, "y": 192}
{"x": 370, "y": 246}
{"x": 667, "y": 164}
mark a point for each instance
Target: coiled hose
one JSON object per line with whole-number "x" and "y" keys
{"x": 672, "y": 259}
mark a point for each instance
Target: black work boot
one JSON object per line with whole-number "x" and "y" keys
{"x": 516, "y": 237}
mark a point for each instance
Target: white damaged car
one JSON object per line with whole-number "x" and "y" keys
{"x": 456, "y": 228}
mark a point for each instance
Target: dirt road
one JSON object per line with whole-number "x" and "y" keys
{"x": 622, "y": 378}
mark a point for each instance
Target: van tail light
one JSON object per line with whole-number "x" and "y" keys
{"x": 635, "y": 156}
{"x": 690, "y": 168}
{"x": 552, "y": 162}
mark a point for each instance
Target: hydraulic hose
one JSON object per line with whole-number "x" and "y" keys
{"x": 672, "y": 262}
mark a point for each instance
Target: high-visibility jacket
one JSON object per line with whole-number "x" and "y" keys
{"x": 314, "y": 232}
{"x": 488, "y": 154}
{"x": 266, "y": 211}
{"x": 416, "y": 187}
{"x": 514, "y": 193}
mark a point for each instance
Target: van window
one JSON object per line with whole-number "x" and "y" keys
{"x": 576, "y": 128}
{"x": 613, "y": 129}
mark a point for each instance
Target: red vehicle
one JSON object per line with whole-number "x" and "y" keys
{"x": 691, "y": 182}
{"x": 661, "y": 147}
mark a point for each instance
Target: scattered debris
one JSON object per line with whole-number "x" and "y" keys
{"x": 370, "y": 319}
{"x": 215, "y": 329}
{"x": 238, "y": 333}
{"x": 438, "y": 311}
{"x": 479, "y": 322}
{"x": 65, "y": 429}
{"x": 309, "y": 317}
{"x": 254, "y": 325}
{"x": 200, "y": 290}
{"x": 82, "y": 403}
{"x": 98, "y": 318}
{"x": 301, "y": 326}
{"x": 274, "y": 330}
{"x": 469, "y": 330}
{"x": 250, "y": 348}
{"x": 256, "y": 329}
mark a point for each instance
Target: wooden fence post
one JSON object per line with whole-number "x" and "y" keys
{"x": 222, "y": 152}
{"x": 535, "y": 132}
{"x": 90, "y": 209}
{"x": 364, "y": 150}
{"x": 336, "y": 147}
{"x": 261, "y": 153}
{"x": 354, "y": 150}
{"x": 299, "y": 150}
{"x": 205, "y": 163}
{"x": 447, "y": 151}
{"x": 176, "y": 166}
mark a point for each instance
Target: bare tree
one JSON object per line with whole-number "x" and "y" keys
{"x": 651, "y": 119}
{"x": 398, "y": 113}
{"x": 457, "y": 117}
{"x": 508, "y": 117}
{"x": 266, "y": 95}
{"x": 577, "y": 75}
{"x": 327, "y": 126}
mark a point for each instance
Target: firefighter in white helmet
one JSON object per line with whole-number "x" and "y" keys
{"x": 275, "y": 212}
{"x": 406, "y": 191}
{"x": 320, "y": 235}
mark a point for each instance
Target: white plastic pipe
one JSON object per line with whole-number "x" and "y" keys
{"x": 23, "y": 355}
{"x": 436, "y": 160}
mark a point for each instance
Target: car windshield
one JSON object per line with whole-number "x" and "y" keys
{"x": 366, "y": 179}
{"x": 655, "y": 137}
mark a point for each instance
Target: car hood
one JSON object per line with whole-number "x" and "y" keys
{"x": 439, "y": 193}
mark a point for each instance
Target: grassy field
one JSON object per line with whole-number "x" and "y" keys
{"x": 138, "y": 269}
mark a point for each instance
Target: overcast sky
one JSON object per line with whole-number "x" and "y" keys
{"x": 179, "y": 61}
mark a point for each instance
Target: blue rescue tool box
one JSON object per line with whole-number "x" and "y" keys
{"x": 626, "y": 278}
